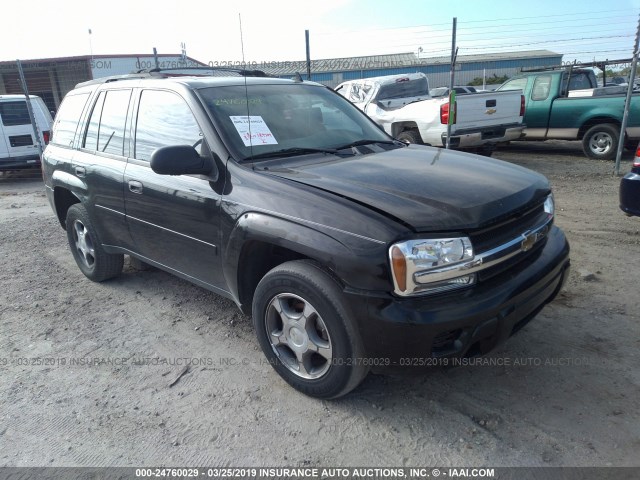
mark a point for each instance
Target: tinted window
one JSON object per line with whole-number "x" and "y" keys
{"x": 404, "y": 88}
{"x": 105, "y": 132}
{"x": 164, "y": 119}
{"x": 14, "y": 113}
{"x": 64, "y": 128}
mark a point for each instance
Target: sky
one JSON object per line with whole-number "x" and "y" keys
{"x": 273, "y": 30}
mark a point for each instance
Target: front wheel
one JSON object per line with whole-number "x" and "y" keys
{"x": 93, "y": 261}
{"x": 601, "y": 141}
{"x": 306, "y": 331}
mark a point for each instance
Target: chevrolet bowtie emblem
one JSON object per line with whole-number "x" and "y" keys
{"x": 529, "y": 241}
{"x": 490, "y": 111}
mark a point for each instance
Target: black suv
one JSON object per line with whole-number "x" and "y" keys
{"x": 351, "y": 250}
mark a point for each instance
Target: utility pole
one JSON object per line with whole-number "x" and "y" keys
{"x": 452, "y": 94}
{"x": 25, "y": 89}
{"x": 627, "y": 103}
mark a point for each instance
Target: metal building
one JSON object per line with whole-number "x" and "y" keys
{"x": 52, "y": 78}
{"x": 333, "y": 71}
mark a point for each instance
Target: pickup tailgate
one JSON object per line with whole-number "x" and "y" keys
{"x": 481, "y": 110}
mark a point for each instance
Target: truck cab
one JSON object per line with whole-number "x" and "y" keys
{"x": 566, "y": 103}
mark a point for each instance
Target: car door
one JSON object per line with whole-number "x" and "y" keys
{"x": 538, "y": 109}
{"x": 100, "y": 163}
{"x": 174, "y": 220}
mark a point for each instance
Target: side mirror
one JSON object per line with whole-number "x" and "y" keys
{"x": 180, "y": 160}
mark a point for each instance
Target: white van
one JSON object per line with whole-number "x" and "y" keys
{"x": 17, "y": 146}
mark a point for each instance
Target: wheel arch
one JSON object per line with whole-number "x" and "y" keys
{"x": 399, "y": 127}
{"x": 260, "y": 242}
{"x": 592, "y": 122}
{"x": 63, "y": 199}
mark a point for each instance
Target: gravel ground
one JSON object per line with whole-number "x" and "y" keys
{"x": 93, "y": 374}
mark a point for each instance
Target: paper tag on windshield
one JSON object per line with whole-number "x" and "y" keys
{"x": 253, "y": 130}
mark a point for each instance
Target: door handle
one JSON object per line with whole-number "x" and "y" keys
{"x": 135, "y": 186}
{"x": 80, "y": 171}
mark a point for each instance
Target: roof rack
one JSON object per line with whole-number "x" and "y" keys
{"x": 166, "y": 72}
{"x": 576, "y": 65}
{"x": 240, "y": 71}
{"x": 112, "y": 78}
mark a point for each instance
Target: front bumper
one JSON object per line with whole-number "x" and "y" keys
{"x": 487, "y": 135}
{"x": 630, "y": 193}
{"x": 396, "y": 331}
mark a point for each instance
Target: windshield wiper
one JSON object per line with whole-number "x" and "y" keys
{"x": 289, "y": 152}
{"x": 359, "y": 143}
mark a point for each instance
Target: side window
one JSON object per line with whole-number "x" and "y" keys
{"x": 112, "y": 122}
{"x": 541, "y": 87}
{"x": 91, "y": 137}
{"x": 105, "y": 132}
{"x": 515, "y": 84}
{"x": 64, "y": 128}
{"x": 164, "y": 119}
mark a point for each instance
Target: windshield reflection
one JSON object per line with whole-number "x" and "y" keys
{"x": 258, "y": 119}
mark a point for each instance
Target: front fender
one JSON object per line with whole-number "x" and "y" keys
{"x": 351, "y": 267}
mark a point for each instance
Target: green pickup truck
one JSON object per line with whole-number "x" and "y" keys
{"x": 567, "y": 104}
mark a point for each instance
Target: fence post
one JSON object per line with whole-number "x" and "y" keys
{"x": 25, "y": 89}
{"x": 627, "y": 103}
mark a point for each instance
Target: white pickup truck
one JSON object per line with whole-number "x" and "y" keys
{"x": 401, "y": 104}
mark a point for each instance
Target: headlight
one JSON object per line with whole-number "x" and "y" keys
{"x": 415, "y": 258}
{"x": 549, "y": 205}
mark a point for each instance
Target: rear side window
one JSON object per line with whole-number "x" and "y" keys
{"x": 64, "y": 128}
{"x": 105, "y": 132}
{"x": 403, "y": 87}
{"x": 541, "y": 87}
{"x": 164, "y": 119}
{"x": 580, "y": 81}
{"x": 14, "y": 113}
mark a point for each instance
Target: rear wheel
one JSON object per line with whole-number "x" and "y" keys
{"x": 410, "y": 136}
{"x": 93, "y": 261}
{"x": 486, "y": 150}
{"x": 306, "y": 331}
{"x": 601, "y": 141}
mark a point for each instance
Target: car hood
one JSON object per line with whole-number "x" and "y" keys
{"x": 427, "y": 189}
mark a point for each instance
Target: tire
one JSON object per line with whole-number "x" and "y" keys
{"x": 410, "y": 136}
{"x": 306, "y": 332}
{"x": 486, "y": 150}
{"x": 93, "y": 261}
{"x": 139, "y": 265}
{"x": 601, "y": 141}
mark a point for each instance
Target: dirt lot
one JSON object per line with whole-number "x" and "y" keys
{"x": 87, "y": 368}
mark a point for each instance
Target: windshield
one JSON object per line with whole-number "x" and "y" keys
{"x": 293, "y": 117}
